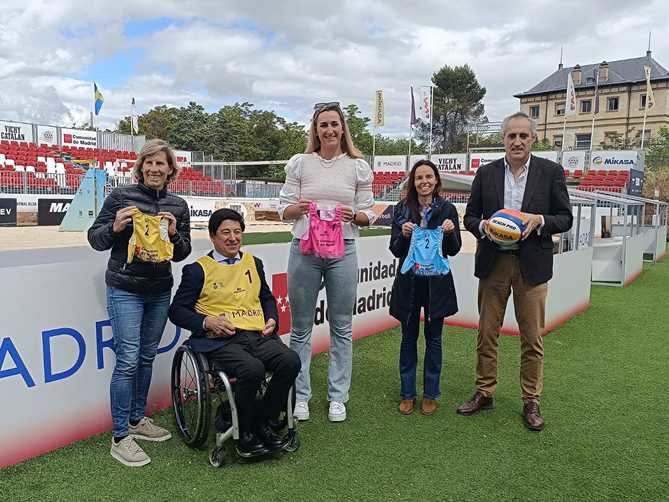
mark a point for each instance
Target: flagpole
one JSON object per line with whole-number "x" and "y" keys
{"x": 564, "y": 129}
{"x": 643, "y": 128}
{"x": 431, "y": 115}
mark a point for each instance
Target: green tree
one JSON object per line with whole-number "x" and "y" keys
{"x": 357, "y": 126}
{"x": 457, "y": 103}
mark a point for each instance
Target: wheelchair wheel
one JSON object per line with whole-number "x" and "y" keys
{"x": 190, "y": 396}
{"x": 217, "y": 457}
{"x": 293, "y": 443}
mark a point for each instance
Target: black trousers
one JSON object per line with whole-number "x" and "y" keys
{"x": 247, "y": 355}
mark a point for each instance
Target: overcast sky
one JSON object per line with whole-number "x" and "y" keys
{"x": 286, "y": 55}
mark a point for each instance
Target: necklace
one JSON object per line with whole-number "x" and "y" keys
{"x": 328, "y": 163}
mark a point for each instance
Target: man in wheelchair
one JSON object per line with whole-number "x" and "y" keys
{"x": 225, "y": 302}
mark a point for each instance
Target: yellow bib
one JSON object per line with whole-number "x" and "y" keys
{"x": 232, "y": 290}
{"x": 150, "y": 241}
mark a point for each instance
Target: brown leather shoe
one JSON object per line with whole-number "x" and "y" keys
{"x": 428, "y": 406}
{"x": 477, "y": 403}
{"x": 532, "y": 416}
{"x": 407, "y": 406}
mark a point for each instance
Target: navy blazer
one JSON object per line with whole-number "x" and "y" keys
{"x": 545, "y": 194}
{"x": 183, "y": 314}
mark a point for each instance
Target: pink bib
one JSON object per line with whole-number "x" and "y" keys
{"x": 325, "y": 238}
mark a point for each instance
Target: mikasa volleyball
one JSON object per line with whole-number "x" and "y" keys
{"x": 506, "y": 226}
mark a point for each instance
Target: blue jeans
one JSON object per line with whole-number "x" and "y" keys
{"x": 409, "y": 352}
{"x": 138, "y": 322}
{"x": 340, "y": 275}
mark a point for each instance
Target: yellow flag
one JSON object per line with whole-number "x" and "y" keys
{"x": 650, "y": 99}
{"x": 378, "y": 109}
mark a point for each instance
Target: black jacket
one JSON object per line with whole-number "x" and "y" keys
{"x": 441, "y": 289}
{"x": 139, "y": 277}
{"x": 182, "y": 311}
{"x": 545, "y": 194}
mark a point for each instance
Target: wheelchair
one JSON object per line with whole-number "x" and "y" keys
{"x": 195, "y": 387}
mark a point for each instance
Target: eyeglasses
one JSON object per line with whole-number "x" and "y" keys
{"x": 321, "y": 106}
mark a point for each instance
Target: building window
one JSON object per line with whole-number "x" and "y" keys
{"x": 557, "y": 141}
{"x": 586, "y": 105}
{"x": 582, "y": 141}
{"x": 642, "y": 101}
{"x": 559, "y": 108}
{"x": 612, "y": 104}
{"x": 534, "y": 111}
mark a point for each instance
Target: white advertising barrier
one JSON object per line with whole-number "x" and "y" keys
{"x": 616, "y": 160}
{"x": 27, "y": 202}
{"x": 79, "y": 137}
{"x": 389, "y": 163}
{"x": 56, "y": 360}
{"x": 550, "y": 155}
{"x": 477, "y": 160}
{"x": 661, "y": 243}
{"x": 450, "y": 162}
{"x": 634, "y": 248}
{"x": 47, "y": 135}
{"x": 573, "y": 161}
{"x": 184, "y": 158}
{"x": 202, "y": 207}
{"x": 16, "y": 131}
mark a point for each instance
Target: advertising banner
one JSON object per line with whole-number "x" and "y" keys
{"x": 550, "y": 155}
{"x": 616, "y": 160}
{"x": 47, "y": 135}
{"x": 573, "y": 160}
{"x": 16, "y": 131}
{"x": 451, "y": 162}
{"x": 635, "y": 186}
{"x": 184, "y": 158}
{"x": 7, "y": 212}
{"x": 51, "y": 212}
{"x": 479, "y": 159}
{"x": 389, "y": 163}
{"x": 79, "y": 138}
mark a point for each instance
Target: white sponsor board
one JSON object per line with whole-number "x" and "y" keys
{"x": 16, "y": 131}
{"x": 58, "y": 350}
{"x": 202, "y": 207}
{"x": 415, "y": 158}
{"x": 550, "y": 155}
{"x": 616, "y": 160}
{"x": 47, "y": 135}
{"x": 27, "y": 203}
{"x": 390, "y": 163}
{"x": 184, "y": 158}
{"x": 79, "y": 137}
{"x": 573, "y": 161}
{"x": 450, "y": 162}
{"x": 479, "y": 159}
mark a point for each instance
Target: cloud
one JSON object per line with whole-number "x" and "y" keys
{"x": 285, "y": 56}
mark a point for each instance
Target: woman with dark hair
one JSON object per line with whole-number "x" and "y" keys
{"x": 333, "y": 172}
{"x": 424, "y": 208}
{"x": 146, "y": 227}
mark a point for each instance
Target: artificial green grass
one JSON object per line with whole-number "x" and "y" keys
{"x": 605, "y": 438}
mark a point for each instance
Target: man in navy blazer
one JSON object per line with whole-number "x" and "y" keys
{"x": 538, "y": 189}
{"x": 226, "y": 304}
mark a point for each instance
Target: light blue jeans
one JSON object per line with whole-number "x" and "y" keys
{"x": 138, "y": 322}
{"x": 340, "y": 276}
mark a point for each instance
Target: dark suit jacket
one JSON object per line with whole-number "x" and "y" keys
{"x": 182, "y": 310}
{"x": 545, "y": 194}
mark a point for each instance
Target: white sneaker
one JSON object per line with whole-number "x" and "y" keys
{"x": 148, "y": 431}
{"x": 337, "y": 412}
{"x": 129, "y": 453}
{"x": 301, "y": 411}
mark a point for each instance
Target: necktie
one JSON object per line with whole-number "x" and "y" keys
{"x": 230, "y": 261}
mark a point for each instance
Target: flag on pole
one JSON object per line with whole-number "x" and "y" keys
{"x": 98, "y": 98}
{"x": 379, "y": 114}
{"x": 413, "y": 119}
{"x": 570, "y": 102}
{"x": 596, "y": 98}
{"x": 134, "y": 122}
{"x": 650, "y": 99}
{"x": 424, "y": 108}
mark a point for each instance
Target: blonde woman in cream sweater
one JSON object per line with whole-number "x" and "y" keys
{"x": 332, "y": 170}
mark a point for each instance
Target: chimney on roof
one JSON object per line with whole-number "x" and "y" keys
{"x": 603, "y": 71}
{"x": 648, "y": 53}
{"x": 576, "y": 74}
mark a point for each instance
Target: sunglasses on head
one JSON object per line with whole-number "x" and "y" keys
{"x": 321, "y": 106}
